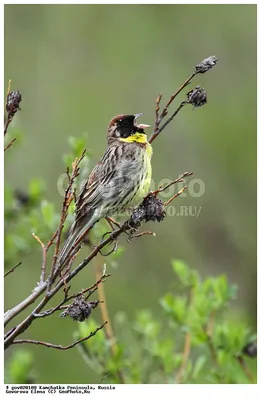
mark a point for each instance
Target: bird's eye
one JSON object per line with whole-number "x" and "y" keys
{"x": 119, "y": 120}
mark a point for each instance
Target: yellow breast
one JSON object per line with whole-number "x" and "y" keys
{"x": 145, "y": 181}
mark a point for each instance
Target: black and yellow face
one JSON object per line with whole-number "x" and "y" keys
{"x": 122, "y": 126}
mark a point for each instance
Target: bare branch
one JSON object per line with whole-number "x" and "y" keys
{"x": 209, "y": 332}
{"x": 163, "y": 188}
{"x": 90, "y": 290}
{"x": 175, "y": 195}
{"x": 245, "y": 368}
{"x": 168, "y": 120}
{"x": 68, "y": 198}
{"x": 58, "y": 346}
{"x": 157, "y": 109}
{"x": 105, "y": 315}
{"x": 201, "y": 68}
{"x": 44, "y": 258}
{"x": 10, "y": 144}
{"x": 144, "y": 233}
{"x": 12, "y": 269}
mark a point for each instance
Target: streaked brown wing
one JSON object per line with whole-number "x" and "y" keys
{"x": 91, "y": 194}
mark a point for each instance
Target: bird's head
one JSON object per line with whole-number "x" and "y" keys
{"x": 124, "y": 126}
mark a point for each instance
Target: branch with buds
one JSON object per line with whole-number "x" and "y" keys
{"x": 151, "y": 209}
{"x": 197, "y": 97}
{"x": 12, "y": 105}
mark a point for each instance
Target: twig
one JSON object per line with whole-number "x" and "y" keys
{"x": 12, "y": 269}
{"x": 10, "y": 143}
{"x": 175, "y": 195}
{"x": 165, "y": 111}
{"x": 103, "y": 307}
{"x": 105, "y": 316}
{"x": 104, "y": 377}
{"x": 143, "y": 233}
{"x": 44, "y": 258}
{"x": 67, "y": 298}
{"x": 201, "y": 68}
{"x": 58, "y": 346}
{"x": 245, "y": 368}
{"x": 157, "y": 109}
{"x": 186, "y": 83}
{"x": 164, "y": 188}
{"x": 187, "y": 345}
{"x": 185, "y": 357}
{"x": 209, "y": 331}
{"x": 68, "y": 197}
{"x": 182, "y": 104}
{"x": 113, "y": 250}
{"x": 112, "y": 222}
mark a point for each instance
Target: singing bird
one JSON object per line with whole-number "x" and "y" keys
{"x": 118, "y": 182}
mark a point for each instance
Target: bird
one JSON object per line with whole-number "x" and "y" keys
{"x": 118, "y": 182}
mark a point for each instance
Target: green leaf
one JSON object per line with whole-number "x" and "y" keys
{"x": 146, "y": 325}
{"x": 183, "y": 272}
{"x": 198, "y": 365}
{"x": 68, "y": 159}
{"x": 175, "y": 306}
{"x": 19, "y": 367}
{"x": 97, "y": 346}
{"x": 77, "y": 145}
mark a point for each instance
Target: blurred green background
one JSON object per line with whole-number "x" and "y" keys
{"x": 79, "y": 65}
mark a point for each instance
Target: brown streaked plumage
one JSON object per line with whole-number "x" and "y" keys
{"x": 117, "y": 181}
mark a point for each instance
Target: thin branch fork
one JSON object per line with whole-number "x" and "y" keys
{"x": 68, "y": 197}
{"x": 159, "y": 118}
{"x": 58, "y": 346}
{"x": 10, "y": 143}
{"x": 201, "y": 68}
{"x": 90, "y": 290}
{"x": 175, "y": 196}
{"x": 164, "y": 188}
{"x": 12, "y": 269}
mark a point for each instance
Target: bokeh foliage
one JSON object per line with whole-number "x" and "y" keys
{"x": 152, "y": 351}
{"x": 77, "y": 66}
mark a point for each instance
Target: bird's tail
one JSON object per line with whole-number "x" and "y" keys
{"x": 74, "y": 241}
{"x": 69, "y": 247}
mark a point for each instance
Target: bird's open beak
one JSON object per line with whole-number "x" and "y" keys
{"x": 138, "y": 116}
{"x": 141, "y": 126}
